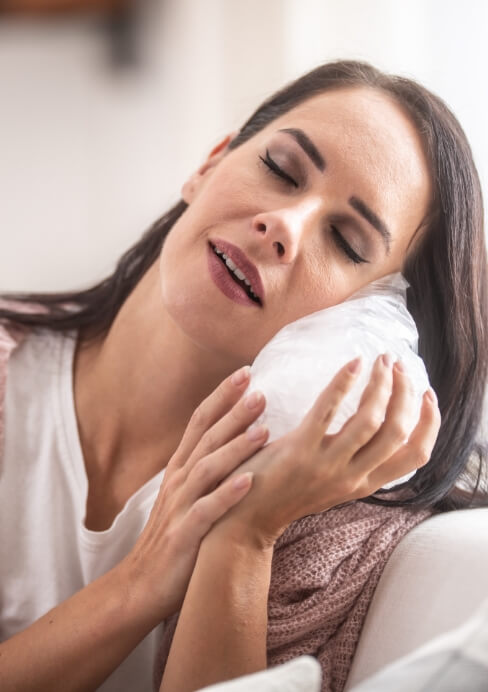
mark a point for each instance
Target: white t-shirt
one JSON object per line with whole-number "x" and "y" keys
{"x": 46, "y": 553}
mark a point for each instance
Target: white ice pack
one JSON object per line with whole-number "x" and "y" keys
{"x": 301, "y": 359}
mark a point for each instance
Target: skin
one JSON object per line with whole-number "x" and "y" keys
{"x": 181, "y": 409}
{"x": 172, "y": 324}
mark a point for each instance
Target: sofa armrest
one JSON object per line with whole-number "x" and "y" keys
{"x": 434, "y": 580}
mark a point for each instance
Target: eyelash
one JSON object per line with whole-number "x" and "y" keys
{"x": 274, "y": 169}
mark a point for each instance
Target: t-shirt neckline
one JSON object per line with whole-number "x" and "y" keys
{"x": 67, "y": 413}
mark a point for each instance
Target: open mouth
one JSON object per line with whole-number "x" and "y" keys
{"x": 243, "y": 283}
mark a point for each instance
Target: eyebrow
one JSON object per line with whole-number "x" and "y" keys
{"x": 374, "y": 220}
{"x": 319, "y": 162}
{"x": 308, "y": 146}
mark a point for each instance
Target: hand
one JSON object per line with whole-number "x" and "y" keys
{"x": 307, "y": 471}
{"x": 195, "y": 493}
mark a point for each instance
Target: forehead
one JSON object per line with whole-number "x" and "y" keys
{"x": 360, "y": 116}
{"x": 370, "y": 144}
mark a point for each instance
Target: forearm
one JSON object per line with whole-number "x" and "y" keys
{"x": 75, "y": 646}
{"x": 222, "y": 627}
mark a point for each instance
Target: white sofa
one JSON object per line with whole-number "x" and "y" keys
{"x": 435, "y": 580}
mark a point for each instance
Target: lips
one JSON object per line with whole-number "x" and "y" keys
{"x": 243, "y": 264}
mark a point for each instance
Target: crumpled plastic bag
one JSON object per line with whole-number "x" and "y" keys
{"x": 301, "y": 359}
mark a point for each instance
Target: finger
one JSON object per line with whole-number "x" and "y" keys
{"x": 233, "y": 423}
{"x": 211, "y": 409}
{"x": 369, "y": 417}
{"x": 396, "y": 427}
{"x": 209, "y": 471}
{"x": 210, "y": 508}
{"x": 319, "y": 417}
{"x": 416, "y": 452}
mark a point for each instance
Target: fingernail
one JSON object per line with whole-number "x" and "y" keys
{"x": 257, "y": 432}
{"x": 241, "y": 375}
{"x": 387, "y": 360}
{"x": 242, "y": 481}
{"x": 399, "y": 366}
{"x": 354, "y": 366}
{"x": 253, "y": 399}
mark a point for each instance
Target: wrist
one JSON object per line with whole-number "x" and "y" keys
{"x": 239, "y": 562}
{"x": 241, "y": 535}
{"x": 138, "y": 596}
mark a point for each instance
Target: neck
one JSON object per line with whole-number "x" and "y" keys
{"x": 136, "y": 389}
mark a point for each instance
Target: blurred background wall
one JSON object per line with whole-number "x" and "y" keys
{"x": 92, "y": 151}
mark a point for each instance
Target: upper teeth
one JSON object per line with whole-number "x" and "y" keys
{"x": 235, "y": 270}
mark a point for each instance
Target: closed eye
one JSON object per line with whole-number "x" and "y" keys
{"x": 346, "y": 248}
{"x": 273, "y": 167}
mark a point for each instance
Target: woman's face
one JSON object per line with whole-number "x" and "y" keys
{"x": 323, "y": 201}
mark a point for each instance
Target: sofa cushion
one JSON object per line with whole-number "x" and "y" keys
{"x": 434, "y": 580}
{"x": 457, "y": 660}
{"x": 302, "y": 674}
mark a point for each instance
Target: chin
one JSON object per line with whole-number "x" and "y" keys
{"x": 197, "y": 319}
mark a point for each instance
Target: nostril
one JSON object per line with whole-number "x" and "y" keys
{"x": 262, "y": 227}
{"x": 281, "y": 249}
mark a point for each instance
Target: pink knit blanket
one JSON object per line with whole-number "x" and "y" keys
{"x": 324, "y": 572}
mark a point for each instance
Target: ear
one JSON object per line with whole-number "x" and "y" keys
{"x": 192, "y": 185}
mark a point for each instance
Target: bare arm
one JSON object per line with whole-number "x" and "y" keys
{"x": 89, "y": 635}
{"x": 222, "y": 627}
{"x": 221, "y": 632}
{"x": 92, "y": 632}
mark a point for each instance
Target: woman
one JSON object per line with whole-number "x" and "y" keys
{"x": 343, "y": 177}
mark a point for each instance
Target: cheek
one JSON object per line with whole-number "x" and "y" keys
{"x": 195, "y": 310}
{"x": 234, "y": 191}
{"x": 324, "y": 282}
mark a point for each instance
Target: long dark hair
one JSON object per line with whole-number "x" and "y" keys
{"x": 447, "y": 272}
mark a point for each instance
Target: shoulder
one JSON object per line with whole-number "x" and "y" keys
{"x": 324, "y": 573}
{"x": 12, "y": 334}
{"x": 347, "y": 526}
{"x": 338, "y": 550}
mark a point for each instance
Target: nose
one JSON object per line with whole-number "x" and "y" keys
{"x": 282, "y": 230}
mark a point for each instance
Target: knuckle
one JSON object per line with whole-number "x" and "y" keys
{"x": 409, "y": 388}
{"x": 199, "y": 417}
{"x": 207, "y": 440}
{"x": 172, "y": 481}
{"x": 198, "y": 512}
{"x": 352, "y": 486}
{"x": 398, "y": 430}
{"x": 203, "y": 470}
{"x": 423, "y": 456}
{"x": 373, "y": 421}
{"x": 420, "y": 453}
{"x": 334, "y": 401}
{"x": 238, "y": 412}
{"x": 222, "y": 393}
{"x": 349, "y": 486}
{"x": 340, "y": 390}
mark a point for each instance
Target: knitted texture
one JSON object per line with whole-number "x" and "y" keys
{"x": 324, "y": 572}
